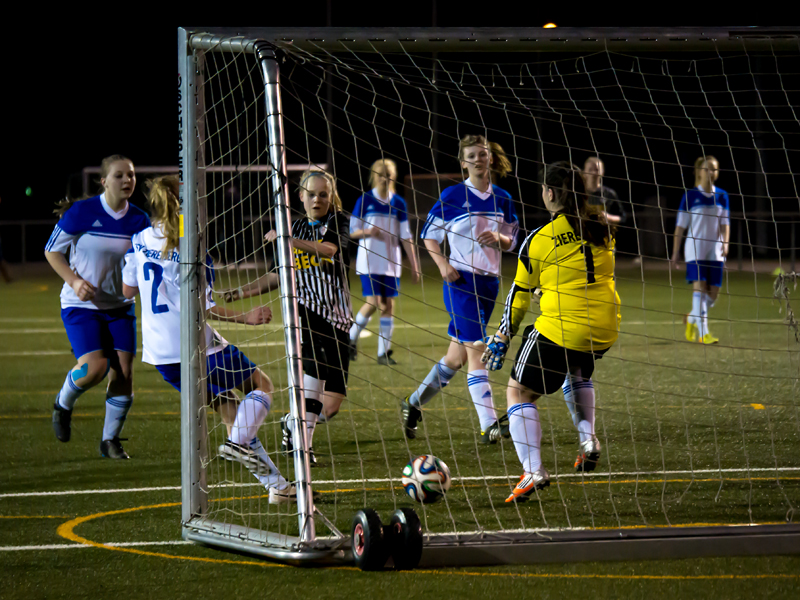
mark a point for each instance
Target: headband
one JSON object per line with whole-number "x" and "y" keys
{"x": 314, "y": 174}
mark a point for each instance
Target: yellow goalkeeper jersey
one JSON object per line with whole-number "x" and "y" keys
{"x": 579, "y": 303}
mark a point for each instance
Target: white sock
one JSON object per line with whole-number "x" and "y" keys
{"x": 70, "y": 391}
{"x": 314, "y": 389}
{"x": 526, "y": 433}
{"x": 579, "y": 396}
{"x": 437, "y": 379}
{"x": 252, "y": 411}
{"x": 709, "y": 303}
{"x": 355, "y": 331}
{"x": 481, "y": 392}
{"x": 703, "y": 324}
{"x": 385, "y": 339}
{"x": 694, "y": 316}
{"x": 117, "y": 408}
{"x": 274, "y": 479}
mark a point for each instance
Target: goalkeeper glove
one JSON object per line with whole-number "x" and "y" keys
{"x": 495, "y": 352}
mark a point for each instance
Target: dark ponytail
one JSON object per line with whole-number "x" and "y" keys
{"x": 588, "y": 221}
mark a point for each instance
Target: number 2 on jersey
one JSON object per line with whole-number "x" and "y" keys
{"x": 587, "y": 255}
{"x": 158, "y": 275}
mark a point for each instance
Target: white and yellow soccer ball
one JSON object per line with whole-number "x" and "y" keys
{"x": 426, "y": 479}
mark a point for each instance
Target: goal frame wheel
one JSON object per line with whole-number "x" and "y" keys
{"x": 406, "y": 539}
{"x": 367, "y": 541}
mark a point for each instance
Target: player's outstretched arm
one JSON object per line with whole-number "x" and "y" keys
{"x": 323, "y": 249}
{"x": 265, "y": 283}
{"x": 261, "y": 315}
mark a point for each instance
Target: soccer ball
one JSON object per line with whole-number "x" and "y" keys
{"x": 426, "y": 479}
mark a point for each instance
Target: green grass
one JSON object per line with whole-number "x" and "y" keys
{"x": 724, "y": 418}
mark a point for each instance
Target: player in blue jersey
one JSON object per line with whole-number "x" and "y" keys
{"x": 479, "y": 221}
{"x": 100, "y": 321}
{"x": 152, "y": 269}
{"x": 379, "y": 222}
{"x": 704, "y": 215}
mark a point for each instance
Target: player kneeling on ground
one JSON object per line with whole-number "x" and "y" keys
{"x": 571, "y": 260}
{"x": 152, "y": 267}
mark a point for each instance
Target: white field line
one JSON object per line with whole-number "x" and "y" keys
{"x": 364, "y": 334}
{"x": 73, "y": 546}
{"x": 593, "y": 475}
{"x": 367, "y": 333}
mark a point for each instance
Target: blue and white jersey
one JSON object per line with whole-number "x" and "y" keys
{"x": 97, "y": 239}
{"x": 158, "y": 279}
{"x": 380, "y": 256}
{"x": 702, "y": 214}
{"x": 462, "y": 214}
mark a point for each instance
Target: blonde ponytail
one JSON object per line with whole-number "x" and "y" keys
{"x": 165, "y": 210}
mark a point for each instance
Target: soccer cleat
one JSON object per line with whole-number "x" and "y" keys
{"x": 113, "y": 449}
{"x": 528, "y": 484}
{"x": 286, "y": 443}
{"x": 62, "y": 422}
{"x": 709, "y": 339}
{"x": 692, "y": 332}
{"x": 589, "y": 455}
{"x": 284, "y": 496}
{"x": 411, "y": 416}
{"x": 244, "y": 456}
{"x": 505, "y": 430}
{"x": 387, "y": 359}
{"x": 353, "y": 350}
{"x": 492, "y": 434}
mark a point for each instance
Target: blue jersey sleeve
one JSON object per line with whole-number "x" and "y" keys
{"x": 70, "y": 226}
{"x": 684, "y": 218}
{"x": 511, "y": 225}
{"x": 434, "y": 224}
{"x": 356, "y": 219}
{"x": 400, "y": 209}
{"x": 73, "y": 222}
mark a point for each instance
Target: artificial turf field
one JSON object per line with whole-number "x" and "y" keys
{"x": 691, "y": 435}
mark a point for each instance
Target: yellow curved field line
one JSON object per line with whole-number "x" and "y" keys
{"x": 66, "y": 530}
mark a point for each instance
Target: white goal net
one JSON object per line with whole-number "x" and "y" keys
{"x": 691, "y": 434}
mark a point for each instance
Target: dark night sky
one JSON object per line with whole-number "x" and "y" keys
{"x": 105, "y": 85}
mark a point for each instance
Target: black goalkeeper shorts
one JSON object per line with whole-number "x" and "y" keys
{"x": 542, "y": 365}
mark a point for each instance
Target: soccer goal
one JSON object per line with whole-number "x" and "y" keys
{"x": 699, "y": 443}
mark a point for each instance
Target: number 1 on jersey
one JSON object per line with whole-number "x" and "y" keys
{"x": 158, "y": 275}
{"x": 587, "y": 255}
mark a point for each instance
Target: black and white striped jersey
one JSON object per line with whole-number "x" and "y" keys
{"x": 322, "y": 283}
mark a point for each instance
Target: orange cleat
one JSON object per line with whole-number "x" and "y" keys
{"x": 528, "y": 484}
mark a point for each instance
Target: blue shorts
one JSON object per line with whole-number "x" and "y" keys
{"x": 108, "y": 330}
{"x": 470, "y": 302}
{"x": 705, "y": 270}
{"x": 226, "y": 369}
{"x": 384, "y": 286}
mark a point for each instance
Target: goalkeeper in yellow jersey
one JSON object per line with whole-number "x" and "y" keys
{"x": 571, "y": 263}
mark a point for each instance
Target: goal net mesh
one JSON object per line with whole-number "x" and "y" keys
{"x": 691, "y": 434}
